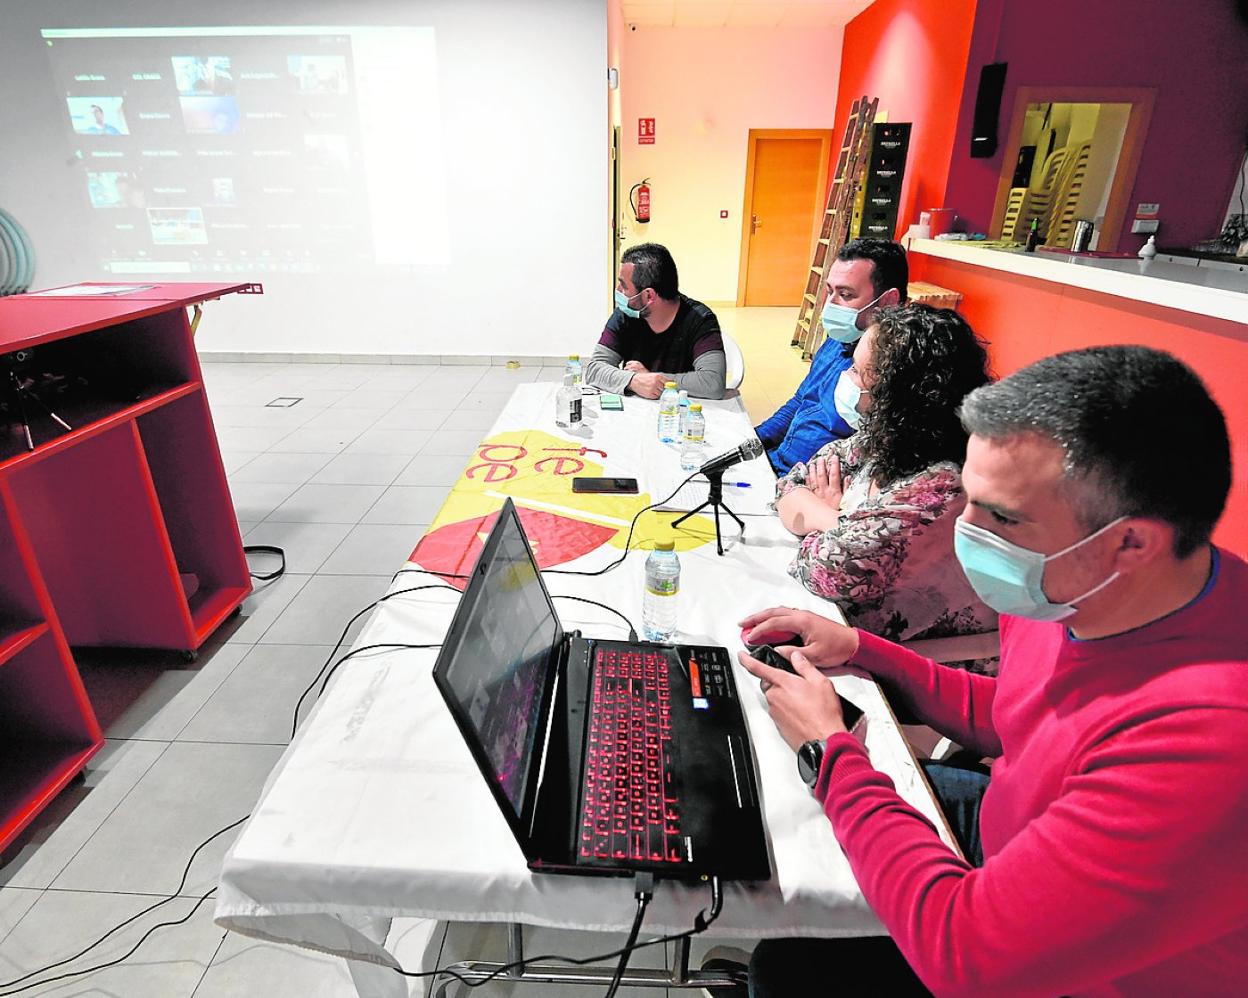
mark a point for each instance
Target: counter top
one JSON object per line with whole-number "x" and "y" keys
{"x": 1222, "y": 294}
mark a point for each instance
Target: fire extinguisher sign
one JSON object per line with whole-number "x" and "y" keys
{"x": 645, "y": 131}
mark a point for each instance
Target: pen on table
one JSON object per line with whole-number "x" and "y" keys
{"x": 739, "y": 485}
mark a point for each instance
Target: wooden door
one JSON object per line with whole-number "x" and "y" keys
{"x": 786, "y": 176}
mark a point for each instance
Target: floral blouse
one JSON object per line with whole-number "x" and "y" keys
{"x": 889, "y": 563}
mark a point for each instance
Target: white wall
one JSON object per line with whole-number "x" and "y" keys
{"x": 706, "y": 88}
{"x": 523, "y": 88}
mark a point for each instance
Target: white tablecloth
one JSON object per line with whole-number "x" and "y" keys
{"x": 377, "y": 809}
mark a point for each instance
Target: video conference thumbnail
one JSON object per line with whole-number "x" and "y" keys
{"x": 203, "y": 115}
{"x": 115, "y": 190}
{"x": 97, "y": 115}
{"x": 197, "y": 75}
{"x": 177, "y": 226}
{"x": 318, "y": 74}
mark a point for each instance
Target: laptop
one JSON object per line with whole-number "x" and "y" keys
{"x": 605, "y": 757}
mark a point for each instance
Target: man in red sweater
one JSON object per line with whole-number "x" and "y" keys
{"x": 1115, "y": 824}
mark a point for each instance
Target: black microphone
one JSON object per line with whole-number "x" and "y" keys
{"x": 746, "y": 451}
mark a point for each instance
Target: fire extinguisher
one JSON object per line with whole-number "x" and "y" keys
{"x": 640, "y": 206}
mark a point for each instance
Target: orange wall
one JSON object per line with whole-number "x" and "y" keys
{"x": 1025, "y": 319}
{"x": 911, "y": 54}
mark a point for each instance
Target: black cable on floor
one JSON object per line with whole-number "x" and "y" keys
{"x": 266, "y": 549}
{"x": 110, "y": 963}
{"x": 121, "y": 925}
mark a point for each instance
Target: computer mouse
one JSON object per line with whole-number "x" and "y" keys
{"x": 764, "y": 646}
{"x": 766, "y": 653}
{"x": 769, "y": 656}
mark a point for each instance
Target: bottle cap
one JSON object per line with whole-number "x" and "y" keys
{"x": 665, "y": 545}
{"x": 695, "y": 406}
{"x": 574, "y": 356}
{"x": 669, "y": 384}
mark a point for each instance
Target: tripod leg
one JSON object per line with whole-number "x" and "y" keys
{"x": 719, "y": 540}
{"x": 19, "y": 397}
{"x": 677, "y": 523}
{"x": 43, "y": 405}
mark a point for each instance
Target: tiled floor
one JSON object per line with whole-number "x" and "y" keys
{"x": 345, "y": 481}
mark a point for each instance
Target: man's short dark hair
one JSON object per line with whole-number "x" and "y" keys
{"x": 890, "y": 269}
{"x": 653, "y": 267}
{"x": 1141, "y": 434}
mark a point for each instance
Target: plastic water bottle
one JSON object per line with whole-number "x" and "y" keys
{"x": 683, "y": 402}
{"x": 669, "y": 414}
{"x": 574, "y": 369}
{"x": 568, "y": 403}
{"x": 693, "y": 447}
{"x": 658, "y": 607}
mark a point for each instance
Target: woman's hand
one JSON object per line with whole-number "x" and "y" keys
{"x": 823, "y": 478}
{"x": 825, "y": 643}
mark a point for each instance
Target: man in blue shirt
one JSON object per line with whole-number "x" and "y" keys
{"x": 868, "y": 274}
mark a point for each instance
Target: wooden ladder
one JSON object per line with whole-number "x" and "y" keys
{"x": 850, "y": 168}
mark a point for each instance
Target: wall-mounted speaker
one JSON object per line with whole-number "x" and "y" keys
{"x": 987, "y": 110}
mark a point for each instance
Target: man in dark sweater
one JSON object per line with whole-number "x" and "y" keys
{"x": 656, "y": 334}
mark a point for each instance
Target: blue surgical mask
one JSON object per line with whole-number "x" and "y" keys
{"x": 1008, "y": 577}
{"x": 621, "y": 302}
{"x": 845, "y": 396}
{"x": 840, "y": 322}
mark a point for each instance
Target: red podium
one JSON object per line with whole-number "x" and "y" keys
{"x": 118, "y": 531}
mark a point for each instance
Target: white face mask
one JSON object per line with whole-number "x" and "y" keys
{"x": 845, "y": 397}
{"x": 1009, "y": 578}
{"x": 840, "y": 322}
{"x": 622, "y": 303}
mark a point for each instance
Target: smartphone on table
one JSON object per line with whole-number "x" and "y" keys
{"x": 609, "y": 486}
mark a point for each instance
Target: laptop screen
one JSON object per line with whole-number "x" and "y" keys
{"x": 495, "y": 662}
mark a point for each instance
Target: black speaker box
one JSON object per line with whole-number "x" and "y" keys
{"x": 881, "y": 193}
{"x": 987, "y": 110}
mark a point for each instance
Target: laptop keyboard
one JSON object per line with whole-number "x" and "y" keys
{"x": 630, "y": 809}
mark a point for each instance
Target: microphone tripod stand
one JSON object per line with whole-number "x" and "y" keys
{"x": 21, "y": 392}
{"x": 716, "y": 501}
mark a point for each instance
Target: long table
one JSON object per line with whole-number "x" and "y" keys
{"x": 377, "y": 810}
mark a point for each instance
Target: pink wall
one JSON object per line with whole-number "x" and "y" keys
{"x": 911, "y": 54}
{"x": 1195, "y": 54}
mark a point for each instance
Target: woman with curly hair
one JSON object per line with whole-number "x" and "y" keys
{"x": 876, "y": 511}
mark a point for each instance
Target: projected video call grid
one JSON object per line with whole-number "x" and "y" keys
{"x": 218, "y": 154}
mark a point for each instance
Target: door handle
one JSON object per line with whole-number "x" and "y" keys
{"x": 754, "y": 224}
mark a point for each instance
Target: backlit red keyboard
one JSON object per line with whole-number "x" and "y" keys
{"x": 630, "y": 809}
